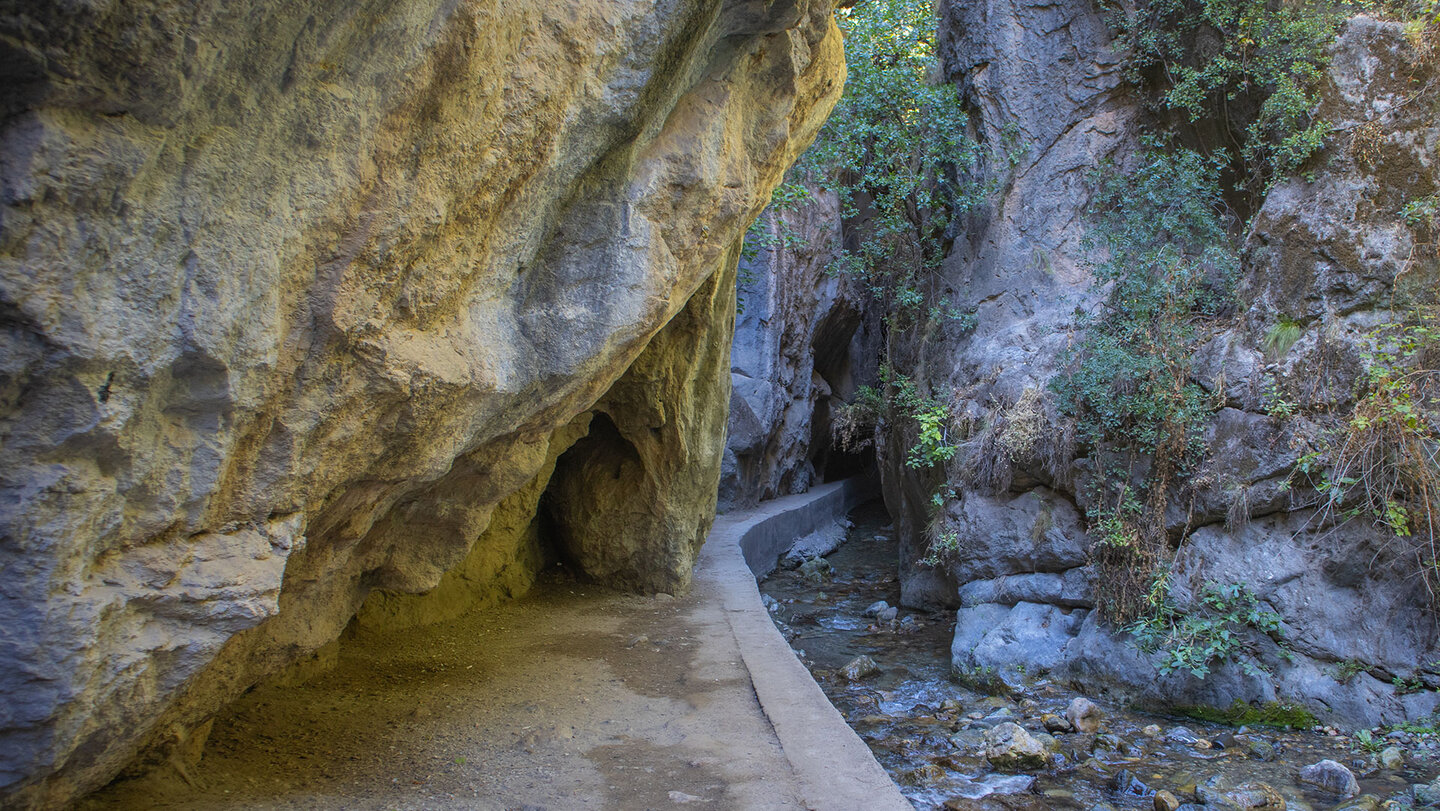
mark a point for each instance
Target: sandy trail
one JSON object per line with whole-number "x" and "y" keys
{"x": 572, "y": 697}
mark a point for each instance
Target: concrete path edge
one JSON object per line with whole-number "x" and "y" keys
{"x": 835, "y": 769}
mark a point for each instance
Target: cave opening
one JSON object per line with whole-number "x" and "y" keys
{"x": 584, "y": 493}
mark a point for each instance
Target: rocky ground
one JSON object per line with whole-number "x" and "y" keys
{"x": 950, "y": 746}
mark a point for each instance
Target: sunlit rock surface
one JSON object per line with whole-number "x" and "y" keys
{"x": 299, "y": 300}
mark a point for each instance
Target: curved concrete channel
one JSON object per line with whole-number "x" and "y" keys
{"x": 571, "y": 697}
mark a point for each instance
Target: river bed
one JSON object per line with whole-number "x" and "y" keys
{"x": 928, "y": 730}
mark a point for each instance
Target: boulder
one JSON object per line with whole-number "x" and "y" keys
{"x": 1331, "y": 777}
{"x": 1009, "y": 747}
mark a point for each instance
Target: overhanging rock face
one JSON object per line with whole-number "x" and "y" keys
{"x": 294, "y": 295}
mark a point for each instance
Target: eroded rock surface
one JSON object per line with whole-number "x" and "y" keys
{"x": 301, "y": 302}
{"x": 1322, "y": 255}
{"x": 804, "y": 341}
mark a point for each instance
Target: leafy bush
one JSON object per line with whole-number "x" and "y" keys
{"x": 1252, "y": 65}
{"x": 895, "y": 147}
{"x": 1218, "y": 629}
{"x": 1127, "y": 384}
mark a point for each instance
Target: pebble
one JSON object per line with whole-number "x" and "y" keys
{"x": 1054, "y": 723}
{"x": 1126, "y": 784}
{"x": 1151, "y": 731}
{"x": 1166, "y": 801}
{"x": 815, "y": 570}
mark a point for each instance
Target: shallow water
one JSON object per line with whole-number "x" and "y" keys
{"x": 925, "y": 728}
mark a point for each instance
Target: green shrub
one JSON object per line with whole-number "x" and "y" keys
{"x": 1219, "y": 628}
{"x": 1127, "y": 385}
{"x": 1252, "y": 65}
{"x": 897, "y": 144}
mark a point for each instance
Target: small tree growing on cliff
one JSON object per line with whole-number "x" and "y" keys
{"x": 893, "y": 151}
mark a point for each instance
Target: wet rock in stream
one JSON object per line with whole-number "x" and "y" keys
{"x": 1009, "y": 747}
{"x": 1332, "y": 778}
{"x": 935, "y": 735}
{"x": 858, "y": 668}
{"x": 1083, "y": 714}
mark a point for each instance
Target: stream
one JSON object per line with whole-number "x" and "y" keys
{"x": 928, "y": 730}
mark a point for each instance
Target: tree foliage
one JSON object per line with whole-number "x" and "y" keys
{"x": 1253, "y": 66}
{"x": 894, "y": 150}
{"x": 1128, "y": 383}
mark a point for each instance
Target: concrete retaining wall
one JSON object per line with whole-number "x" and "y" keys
{"x": 768, "y": 530}
{"x": 835, "y": 769}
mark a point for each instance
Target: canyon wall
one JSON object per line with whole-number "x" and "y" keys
{"x": 303, "y": 302}
{"x": 1322, "y": 257}
{"x": 805, "y": 340}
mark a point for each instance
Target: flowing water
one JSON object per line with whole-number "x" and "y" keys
{"x": 927, "y": 729}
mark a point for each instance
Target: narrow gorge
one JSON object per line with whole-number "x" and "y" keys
{"x": 336, "y": 335}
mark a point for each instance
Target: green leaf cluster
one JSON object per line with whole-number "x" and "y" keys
{"x": 1170, "y": 267}
{"x": 894, "y": 151}
{"x": 926, "y": 416}
{"x": 1219, "y": 628}
{"x": 1253, "y": 65}
{"x": 1128, "y": 383}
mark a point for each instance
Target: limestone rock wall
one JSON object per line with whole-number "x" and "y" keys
{"x": 298, "y": 300}
{"x": 804, "y": 341}
{"x": 1322, "y": 254}
{"x": 1019, "y": 264}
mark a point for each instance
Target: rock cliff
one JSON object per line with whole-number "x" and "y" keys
{"x": 1323, "y": 258}
{"x": 805, "y": 339}
{"x": 303, "y": 303}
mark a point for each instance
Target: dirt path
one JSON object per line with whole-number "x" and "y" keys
{"x": 571, "y": 698}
